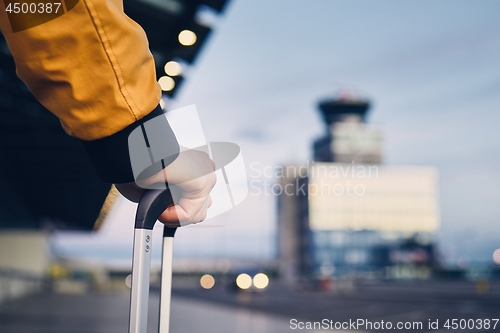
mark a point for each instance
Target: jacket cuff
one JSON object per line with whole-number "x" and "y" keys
{"x": 110, "y": 155}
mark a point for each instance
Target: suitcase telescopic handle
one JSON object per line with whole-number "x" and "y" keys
{"x": 150, "y": 207}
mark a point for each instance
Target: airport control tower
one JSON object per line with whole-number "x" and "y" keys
{"x": 353, "y": 216}
{"x": 348, "y": 138}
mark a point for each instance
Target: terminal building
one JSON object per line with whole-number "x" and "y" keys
{"x": 353, "y": 216}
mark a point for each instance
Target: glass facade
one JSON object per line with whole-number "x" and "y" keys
{"x": 342, "y": 252}
{"x": 365, "y": 219}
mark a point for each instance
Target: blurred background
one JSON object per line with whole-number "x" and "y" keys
{"x": 368, "y": 130}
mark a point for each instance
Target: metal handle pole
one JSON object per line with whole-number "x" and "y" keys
{"x": 139, "y": 294}
{"x": 166, "y": 279}
{"x": 151, "y": 205}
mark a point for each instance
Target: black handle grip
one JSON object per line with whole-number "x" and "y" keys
{"x": 168, "y": 231}
{"x": 151, "y": 205}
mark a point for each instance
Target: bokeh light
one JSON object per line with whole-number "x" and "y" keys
{"x": 166, "y": 83}
{"x": 244, "y": 281}
{"x": 173, "y": 68}
{"x": 187, "y": 37}
{"x": 207, "y": 281}
{"x": 260, "y": 281}
{"x": 496, "y": 256}
{"x": 482, "y": 286}
{"x": 57, "y": 271}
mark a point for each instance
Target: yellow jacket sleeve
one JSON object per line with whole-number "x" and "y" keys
{"x": 91, "y": 67}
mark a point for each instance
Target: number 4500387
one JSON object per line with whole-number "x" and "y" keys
{"x": 33, "y": 8}
{"x": 486, "y": 324}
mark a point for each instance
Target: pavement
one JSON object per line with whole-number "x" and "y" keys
{"x": 424, "y": 306}
{"x": 222, "y": 310}
{"x": 108, "y": 313}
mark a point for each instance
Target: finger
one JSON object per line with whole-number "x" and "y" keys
{"x": 187, "y": 211}
{"x": 170, "y": 217}
{"x": 197, "y": 215}
{"x": 202, "y": 213}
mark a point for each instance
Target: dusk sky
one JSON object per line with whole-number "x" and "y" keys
{"x": 430, "y": 68}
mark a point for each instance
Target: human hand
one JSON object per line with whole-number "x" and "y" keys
{"x": 190, "y": 177}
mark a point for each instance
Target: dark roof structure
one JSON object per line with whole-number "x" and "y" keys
{"x": 333, "y": 109}
{"x": 45, "y": 177}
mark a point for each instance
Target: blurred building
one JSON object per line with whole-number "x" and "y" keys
{"x": 24, "y": 262}
{"x": 350, "y": 215}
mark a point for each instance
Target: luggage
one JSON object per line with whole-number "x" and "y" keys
{"x": 151, "y": 205}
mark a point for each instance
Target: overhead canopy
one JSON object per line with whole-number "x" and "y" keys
{"x": 45, "y": 177}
